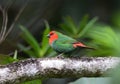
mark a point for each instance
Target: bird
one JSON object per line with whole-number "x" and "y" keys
{"x": 64, "y": 44}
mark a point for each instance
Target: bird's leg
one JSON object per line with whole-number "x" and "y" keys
{"x": 60, "y": 55}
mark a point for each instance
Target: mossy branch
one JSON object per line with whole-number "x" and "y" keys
{"x": 35, "y": 68}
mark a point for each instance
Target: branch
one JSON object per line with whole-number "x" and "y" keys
{"x": 35, "y": 68}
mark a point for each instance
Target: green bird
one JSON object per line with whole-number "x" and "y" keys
{"x": 64, "y": 44}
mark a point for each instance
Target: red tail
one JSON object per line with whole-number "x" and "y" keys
{"x": 79, "y": 44}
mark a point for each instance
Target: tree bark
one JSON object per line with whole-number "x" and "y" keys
{"x": 35, "y": 68}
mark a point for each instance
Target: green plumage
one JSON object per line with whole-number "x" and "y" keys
{"x": 63, "y": 44}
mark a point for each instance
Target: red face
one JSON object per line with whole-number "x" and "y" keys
{"x": 52, "y": 37}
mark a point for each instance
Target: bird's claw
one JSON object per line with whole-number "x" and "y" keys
{"x": 60, "y": 56}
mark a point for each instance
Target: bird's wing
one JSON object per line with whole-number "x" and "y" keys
{"x": 65, "y": 39}
{"x": 68, "y": 41}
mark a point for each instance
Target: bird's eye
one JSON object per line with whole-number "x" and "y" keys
{"x": 51, "y": 34}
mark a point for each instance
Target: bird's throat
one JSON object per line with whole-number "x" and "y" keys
{"x": 52, "y": 39}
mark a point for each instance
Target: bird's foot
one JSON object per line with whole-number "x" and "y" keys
{"x": 60, "y": 56}
{"x": 74, "y": 56}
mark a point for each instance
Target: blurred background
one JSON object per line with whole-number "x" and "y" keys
{"x": 25, "y": 24}
{"x": 36, "y": 11}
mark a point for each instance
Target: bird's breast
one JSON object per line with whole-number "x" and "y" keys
{"x": 62, "y": 48}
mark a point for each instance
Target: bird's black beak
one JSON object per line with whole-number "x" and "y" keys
{"x": 48, "y": 35}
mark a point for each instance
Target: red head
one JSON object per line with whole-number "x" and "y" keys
{"x": 52, "y": 37}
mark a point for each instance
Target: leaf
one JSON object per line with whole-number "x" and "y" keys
{"x": 45, "y": 45}
{"x": 69, "y": 25}
{"x": 38, "y": 81}
{"x": 89, "y": 25}
{"x": 30, "y": 40}
{"x": 66, "y": 29}
{"x": 107, "y": 41}
{"x": 50, "y": 52}
{"x": 82, "y": 23}
{"x": 27, "y": 50}
{"x": 5, "y": 59}
{"x": 15, "y": 55}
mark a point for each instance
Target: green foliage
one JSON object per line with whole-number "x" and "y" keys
{"x": 35, "y": 49}
{"x": 5, "y": 59}
{"x": 105, "y": 39}
{"x": 15, "y": 55}
{"x": 102, "y": 37}
{"x": 31, "y": 41}
{"x": 33, "y": 82}
{"x": 116, "y": 19}
{"x": 77, "y": 31}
